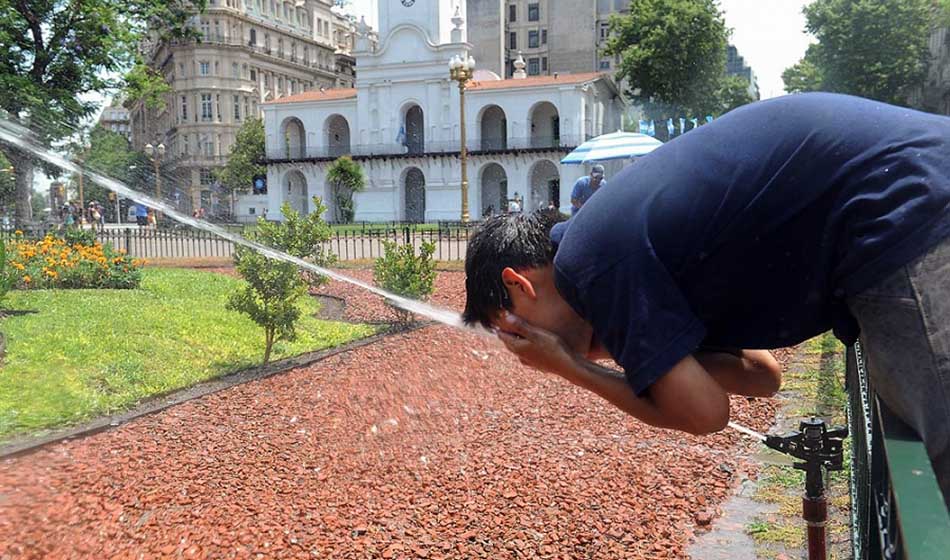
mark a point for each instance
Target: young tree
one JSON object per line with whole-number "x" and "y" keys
{"x": 244, "y": 160}
{"x": 111, "y": 154}
{"x": 872, "y": 48}
{"x": 346, "y": 178}
{"x": 273, "y": 287}
{"x": 673, "y": 52}
{"x": 733, "y": 92}
{"x": 54, "y": 50}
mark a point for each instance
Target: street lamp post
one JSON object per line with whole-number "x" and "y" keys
{"x": 156, "y": 153}
{"x": 461, "y": 69}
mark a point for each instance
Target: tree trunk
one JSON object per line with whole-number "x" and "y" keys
{"x": 23, "y": 169}
{"x": 268, "y": 344}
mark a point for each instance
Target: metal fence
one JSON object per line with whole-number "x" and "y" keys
{"x": 352, "y": 242}
{"x": 897, "y": 511}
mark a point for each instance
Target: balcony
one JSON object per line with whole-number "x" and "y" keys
{"x": 475, "y": 147}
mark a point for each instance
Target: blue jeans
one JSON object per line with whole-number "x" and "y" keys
{"x": 905, "y": 334}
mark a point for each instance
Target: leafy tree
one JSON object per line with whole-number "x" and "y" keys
{"x": 346, "y": 178}
{"x": 806, "y": 74}
{"x": 673, "y": 52}
{"x": 7, "y": 185}
{"x": 872, "y": 48}
{"x": 733, "y": 92}
{"x": 273, "y": 287}
{"x": 406, "y": 274}
{"x": 244, "y": 159}
{"x": 110, "y": 154}
{"x": 53, "y": 50}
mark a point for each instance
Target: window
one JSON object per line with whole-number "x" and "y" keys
{"x": 253, "y": 40}
{"x": 286, "y": 13}
{"x": 206, "y": 107}
{"x": 251, "y": 210}
{"x": 293, "y": 51}
{"x": 605, "y": 64}
{"x": 267, "y": 43}
{"x": 534, "y": 12}
{"x": 237, "y": 108}
{"x": 217, "y": 30}
{"x": 217, "y": 103}
{"x": 280, "y": 48}
{"x": 512, "y": 13}
{"x": 220, "y": 146}
{"x": 533, "y": 67}
{"x": 207, "y": 179}
{"x": 244, "y": 70}
{"x": 205, "y": 28}
{"x": 319, "y": 26}
{"x": 184, "y": 145}
{"x": 544, "y": 36}
{"x": 532, "y": 39}
{"x": 306, "y": 54}
{"x": 247, "y": 108}
{"x": 235, "y": 70}
{"x": 184, "y": 108}
{"x": 544, "y": 64}
{"x": 204, "y": 68}
{"x": 513, "y": 40}
{"x": 604, "y": 30}
{"x": 181, "y": 69}
{"x": 217, "y": 68}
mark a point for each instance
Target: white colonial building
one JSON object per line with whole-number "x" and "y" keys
{"x": 401, "y": 124}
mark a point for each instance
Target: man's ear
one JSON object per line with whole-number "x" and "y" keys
{"x": 516, "y": 282}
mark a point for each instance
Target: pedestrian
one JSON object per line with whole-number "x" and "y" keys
{"x": 586, "y": 186}
{"x": 551, "y": 206}
{"x": 141, "y": 215}
{"x": 152, "y": 222}
{"x": 514, "y": 205}
{"x": 94, "y": 215}
{"x": 777, "y": 222}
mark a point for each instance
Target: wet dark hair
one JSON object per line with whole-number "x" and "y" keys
{"x": 518, "y": 241}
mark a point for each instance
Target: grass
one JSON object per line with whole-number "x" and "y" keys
{"x": 813, "y": 390}
{"x": 82, "y": 353}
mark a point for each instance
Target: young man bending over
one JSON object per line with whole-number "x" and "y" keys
{"x": 773, "y": 224}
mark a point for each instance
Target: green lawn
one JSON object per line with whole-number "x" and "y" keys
{"x": 88, "y": 352}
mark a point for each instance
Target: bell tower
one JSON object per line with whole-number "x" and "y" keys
{"x": 434, "y": 17}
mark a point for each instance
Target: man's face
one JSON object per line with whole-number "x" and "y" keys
{"x": 595, "y": 179}
{"x": 536, "y": 300}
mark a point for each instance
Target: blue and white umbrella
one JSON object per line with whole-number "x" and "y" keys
{"x": 616, "y": 145}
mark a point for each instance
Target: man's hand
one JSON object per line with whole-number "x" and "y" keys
{"x": 536, "y": 347}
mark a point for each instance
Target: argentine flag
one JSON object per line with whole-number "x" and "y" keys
{"x": 652, "y": 131}
{"x": 669, "y": 127}
{"x": 644, "y": 127}
{"x": 682, "y": 125}
{"x": 401, "y": 136}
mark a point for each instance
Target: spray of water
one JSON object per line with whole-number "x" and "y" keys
{"x": 22, "y": 138}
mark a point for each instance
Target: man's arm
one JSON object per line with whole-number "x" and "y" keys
{"x": 575, "y": 194}
{"x": 686, "y": 398}
{"x": 753, "y": 373}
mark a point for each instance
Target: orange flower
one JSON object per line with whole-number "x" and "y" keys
{"x": 27, "y": 279}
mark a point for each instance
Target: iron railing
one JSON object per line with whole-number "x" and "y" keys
{"x": 475, "y": 146}
{"x": 897, "y": 510}
{"x": 361, "y": 241}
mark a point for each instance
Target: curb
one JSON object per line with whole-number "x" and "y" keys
{"x": 158, "y": 403}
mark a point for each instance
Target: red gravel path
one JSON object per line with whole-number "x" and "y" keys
{"x": 433, "y": 444}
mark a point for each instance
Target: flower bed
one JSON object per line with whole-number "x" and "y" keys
{"x": 53, "y": 262}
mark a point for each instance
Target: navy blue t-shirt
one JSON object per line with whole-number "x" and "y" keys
{"x": 752, "y": 231}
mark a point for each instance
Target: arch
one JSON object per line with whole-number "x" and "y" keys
{"x": 414, "y": 187}
{"x": 544, "y": 183}
{"x": 493, "y": 191}
{"x": 295, "y": 191}
{"x": 494, "y": 128}
{"x": 414, "y": 129}
{"x": 337, "y": 135}
{"x": 545, "y": 126}
{"x": 294, "y": 138}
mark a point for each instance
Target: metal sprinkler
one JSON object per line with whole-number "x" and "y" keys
{"x": 818, "y": 449}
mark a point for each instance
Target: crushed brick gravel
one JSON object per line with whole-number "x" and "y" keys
{"x": 430, "y": 444}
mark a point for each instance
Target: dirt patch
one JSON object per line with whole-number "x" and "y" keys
{"x": 332, "y": 308}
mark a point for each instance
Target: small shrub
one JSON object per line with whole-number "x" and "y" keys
{"x": 52, "y": 262}
{"x": 403, "y": 273}
{"x": 76, "y": 236}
